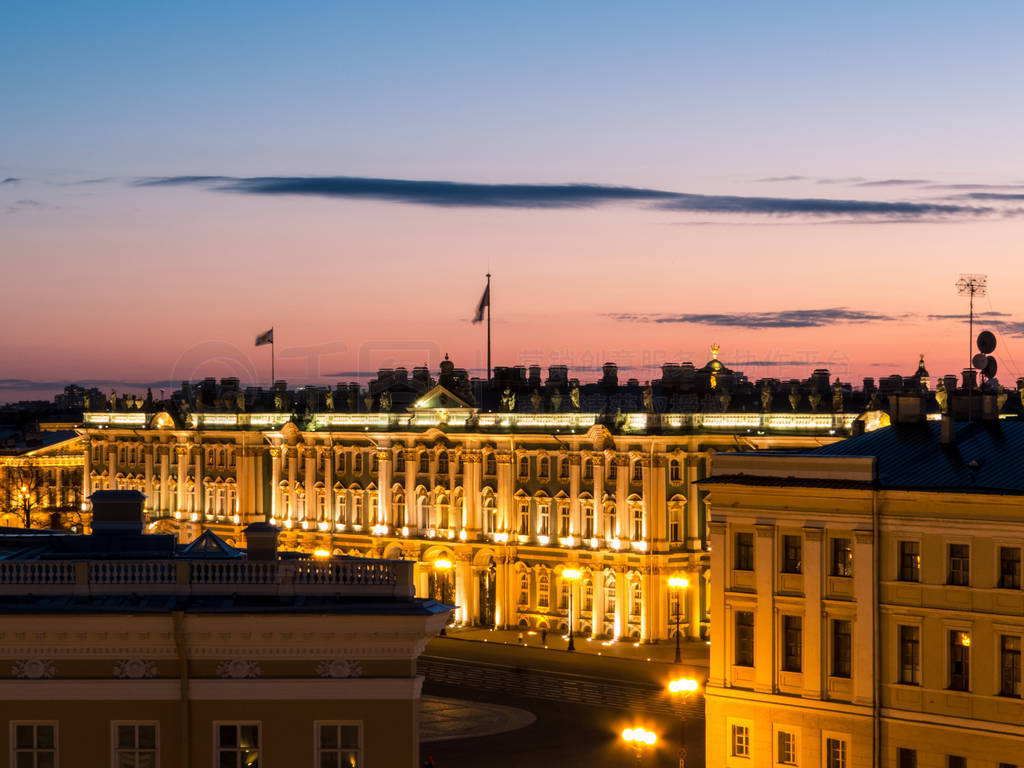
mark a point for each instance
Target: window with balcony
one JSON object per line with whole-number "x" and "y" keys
{"x": 744, "y": 554}
{"x": 959, "y": 565}
{"x": 959, "y": 661}
{"x": 338, "y": 745}
{"x": 842, "y": 632}
{"x": 135, "y": 745}
{"x": 1009, "y": 666}
{"x": 792, "y": 643}
{"x": 910, "y": 654}
{"x": 910, "y": 561}
{"x": 744, "y": 652}
{"x": 842, "y": 557}
{"x": 237, "y": 745}
{"x": 792, "y": 551}
{"x": 1009, "y": 567}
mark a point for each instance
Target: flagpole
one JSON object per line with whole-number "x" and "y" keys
{"x": 273, "y": 378}
{"x": 488, "y": 327}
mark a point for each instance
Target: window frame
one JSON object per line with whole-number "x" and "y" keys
{"x": 902, "y": 568}
{"x": 1001, "y": 572}
{"x": 734, "y": 726}
{"x": 792, "y": 543}
{"x": 738, "y": 659}
{"x": 843, "y": 739}
{"x": 788, "y": 661}
{"x": 1015, "y": 689}
{"x": 317, "y": 747}
{"x": 115, "y": 749}
{"x": 794, "y": 735}
{"x": 842, "y": 568}
{"x": 743, "y": 554}
{"x": 958, "y": 576}
{"x": 236, "y": 723}
{"x": 960, "y": 682}
{"x": 838, "y": 666}
{"x": 901, "y": 666}
{"x": 13, "y": 726}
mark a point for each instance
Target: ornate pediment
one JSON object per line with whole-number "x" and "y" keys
{"x": 439, "y": 398}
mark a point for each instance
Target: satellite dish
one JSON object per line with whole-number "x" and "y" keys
{"x": 986, "y": 342}
{"x": 989, "y": 371}
{"x": 979, "y": 361}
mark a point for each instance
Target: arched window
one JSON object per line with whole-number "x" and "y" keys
{"x": 588, "y": 520}
{"x": 524, "y": 589}
{"x": 423, "y": 510}
{"x": 375, "y": 463}
{"x": 588, "y": 595}
{"x": 321, "y": 506}
{"x": 609, "y": 594}
{"x": 524, "y": 517}
{"x": 357, "y": 463}
{"x": 231, "y": 459}
{"x": 490, "y": 515}
{"x": 400, "y": 462}
{"x": 398, "y": 508}
{"x": 543, "y": 590}
{"x": 563, "y": 469}
{"x": 563, "y": 518}
{"x": 357, "y": 507}
{"x": 339, "y": 462}
{"x": 638, "y": 522}
{"x": 210, "y": 458}
{"x": 424, "y": 462}
{"x": 612, "y": 529}
{"x": 491, "y": 465}
{"x": 286, "y": 504}
{"x": 543, "y": 466}
{"x": 636, "y": 598}
{"x": 675, "y": 471}
{"x": 524, "y": 468}
{"x": 563, "y": 594}
{"x": 232, "y": 507}
{"x": 443, "y": 511}
{"x": 341, "y": 507}
{"x": 588, "y": 470}
{"x": 638, "y": 472}
{"x": 222, "y": 458}
{"x": 442, "y": 463}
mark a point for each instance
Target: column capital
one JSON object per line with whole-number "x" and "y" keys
{"x": 275, "y": 453}
{"x": 384, "y": 454}
{"x": 620, "y": 460}
{"x": 503, "y": 457}
{"x": 470, "y": 456}
{"x": 575, "y": 459}
{"x": 182, "y": 450}
{"x": 410, "y": 454}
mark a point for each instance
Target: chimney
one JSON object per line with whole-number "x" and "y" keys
{"x": 261, "y": 542}
{"x": 906, "y": 408}
{"x": 948, "y": 431}
{"x": 117, "y": 513}
{"x": 857, "y": 428}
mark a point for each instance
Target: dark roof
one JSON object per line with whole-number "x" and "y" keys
{"x": 764, "y": 481}
{"x": 985, "y": 457}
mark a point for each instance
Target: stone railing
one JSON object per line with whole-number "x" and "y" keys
{"x": 355, "y": 577}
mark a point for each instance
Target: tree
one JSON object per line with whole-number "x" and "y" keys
{"x": 20, "y": 487}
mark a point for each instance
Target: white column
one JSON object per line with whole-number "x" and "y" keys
{"x": 575, "y": 513}
{"x": 692, "y": 512}
{"x": 411, "y": 516}
{"x": 692, "y": 596}
{"x": 597, "y": 461}
{"x": 275, "y": 482}
{"x": 292, "y": 452}
{"x": 506, "y": 491}
{"x": 309, "y": 482}
{"x": 165, "y": 479}
{"x": 182, "y": 451}
{"x": 198, "y": 497}
{"x": 813, "y": 658}
{"x": 764, "y": 616}
{"x": 327, "y": 456}
{"x": 384, "y": 472}
{"x": 622, "y": 514}
{"x": 152, "y": 501}
{"x": 112, "y": 467}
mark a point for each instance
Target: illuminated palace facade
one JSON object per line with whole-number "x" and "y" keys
{"x": 492, "y": 502}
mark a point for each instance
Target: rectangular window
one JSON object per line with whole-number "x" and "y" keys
{"x": 959, "y": 565}
{"x": 835, "y": 753}
{"x": 841, "y": 648}
{"x": 744, "y": 639}
{"x": 910, "y": 654}
{"x": 787, "y": 748}
{"x": 35, "y": 745}
{"x": 740, "y": 741}
{"x": 135, "y": 745}
{"x": 910, "y": 561}
{"x": 1009, "y": 567}
{"x": 673, "y": 531}
{"x": 959, "y": 660}
{"x": 1009, "y": 666}
{"x": 237, "y": 745}
{"x": 792, "y": 649}
{"x": 956, "y": 761}
{"x": 791, "y": 554}
{"x": 906, "y": 758}
{"x": 842, "y": 557}
{"x": 524, "y": 518}
{"x": 339, "y": 745}
{"x": 744, "y": 552}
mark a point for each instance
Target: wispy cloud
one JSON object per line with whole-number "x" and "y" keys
{"x": 776, "y": 179}
{"x": 10, "y": 180}
{"x": 893, "y": 183}
{"x": 454, "y": 194}
{"x": 977, "y": 316}
{"x": 788, "y": 318}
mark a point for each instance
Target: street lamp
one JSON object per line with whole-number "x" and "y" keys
{"x": 639, "y": 739}
{"x": 572, "y": 575}
{"x": 443, "y": 566}
{"x": 678, "y": 583}
{"x": 685, "y": 687}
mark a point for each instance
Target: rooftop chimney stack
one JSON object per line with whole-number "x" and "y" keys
{"x": 261, "y": 542}
{"x": 117, "y": 513}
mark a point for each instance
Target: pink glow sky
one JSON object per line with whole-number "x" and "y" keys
{"x": 117, "y": 282}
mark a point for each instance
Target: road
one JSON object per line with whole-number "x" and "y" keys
{"x": 582, "y": 704}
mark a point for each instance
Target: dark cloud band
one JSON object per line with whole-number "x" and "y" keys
{"x": 792, "y": 318}
{"x": 455, "y": 194}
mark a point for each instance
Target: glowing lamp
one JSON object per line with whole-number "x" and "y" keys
{"x": 678, "y": 582}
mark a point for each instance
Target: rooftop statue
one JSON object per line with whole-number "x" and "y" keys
{"x": 574, "y": 397}
{"x": 837, "y": 396}
{"x": 508, "y": 400}
{"x": 330, "y": 400}
{"x": 648, "y": 399}
{"x": 941, "y": 396}
{"x": 535, "y": 400}
{"x": 385, "y": 402}
{"x": 766, "y": 396}
{"x": 794, "y": 397}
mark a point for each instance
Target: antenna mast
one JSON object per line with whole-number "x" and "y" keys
{"x": 971, "y": 285}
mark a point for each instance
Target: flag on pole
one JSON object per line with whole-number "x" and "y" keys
{"x": 265, "y": 338}
{"x": 485, "y": 303}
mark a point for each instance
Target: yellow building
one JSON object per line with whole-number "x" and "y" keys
{"x": 510, "y": 496}
{"x": 132, "y": 650}
{"x": 866, "y": 599}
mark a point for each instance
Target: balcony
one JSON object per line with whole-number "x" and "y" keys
{"x": 343, "y": 578}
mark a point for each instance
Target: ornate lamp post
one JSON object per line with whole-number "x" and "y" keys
{"x": 639, "y": 739}
{"x": 678, "y": 584}
{"x": 572, "y": 575}
{"x": 684, "y": 687}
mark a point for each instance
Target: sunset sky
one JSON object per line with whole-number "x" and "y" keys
{"x": 801, "y": 183}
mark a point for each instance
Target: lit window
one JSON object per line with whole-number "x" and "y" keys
{"x": 910, "y": 561}
{"x": 35, "y": 745}
{"x": 740, "y": 741}
{"x": 339, "y": 745}
{"x": 237, "y": 745}
{"x": 135, "y": 745}
{"x": 842, "y": 557}
{"x": 959, "y": 660}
